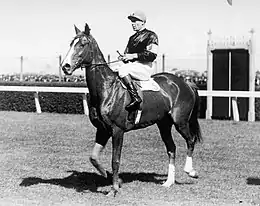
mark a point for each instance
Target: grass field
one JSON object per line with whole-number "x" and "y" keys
{"x": 44, "y": 161}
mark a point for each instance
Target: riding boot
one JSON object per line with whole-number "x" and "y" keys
{"x": 135, "y": 98}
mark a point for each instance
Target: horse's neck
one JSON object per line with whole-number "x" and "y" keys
{"x": 99, "y": 59}
{"x": 99, "y": 76}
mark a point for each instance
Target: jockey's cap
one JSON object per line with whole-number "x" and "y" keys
{"x": 139, "y": 15}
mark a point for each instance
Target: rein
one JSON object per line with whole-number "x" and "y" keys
{"x": 98, "y": 64}
{"x": 92, "y": 66}
{"x": 106, "y": 63}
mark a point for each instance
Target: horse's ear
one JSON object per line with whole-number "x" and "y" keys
{"x": 77, "y": 30}
{"x": 87, "y": 29}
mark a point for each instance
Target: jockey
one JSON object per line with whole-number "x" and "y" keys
{"x": 138, "y": 57}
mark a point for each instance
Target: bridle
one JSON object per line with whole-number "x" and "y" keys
{"x": 90, "y": 65}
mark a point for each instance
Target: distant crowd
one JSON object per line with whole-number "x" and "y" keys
{"x": 42, "y": 78}
{"x": 79, "y": 78}
{"x": 199, "y": 79}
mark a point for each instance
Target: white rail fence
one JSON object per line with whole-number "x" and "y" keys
{"x": 233, "y": 95}
{"x": 37, "y": 90}
{"x": 81, "y": 90}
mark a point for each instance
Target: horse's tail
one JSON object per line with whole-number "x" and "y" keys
{"x": 193, "y": 121}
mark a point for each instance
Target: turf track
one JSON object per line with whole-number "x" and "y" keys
{"x": 44, "y": 161}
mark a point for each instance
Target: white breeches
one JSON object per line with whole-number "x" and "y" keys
{"x": 137, "y": 70}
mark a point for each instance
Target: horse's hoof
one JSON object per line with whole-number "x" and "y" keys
{"x": 192, "y": 174}
{"x": 112, "y": 193}
{"x": 120, "y": 182}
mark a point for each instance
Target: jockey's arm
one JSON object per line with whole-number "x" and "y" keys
{"x": 149, "y": 53}
{"x": 145, "y": 56}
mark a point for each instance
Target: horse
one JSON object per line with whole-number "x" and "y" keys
{"x": 175, "y": 103}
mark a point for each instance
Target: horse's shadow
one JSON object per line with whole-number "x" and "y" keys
{"x": 253, "y": 181}
{"x": 88, "y": 181}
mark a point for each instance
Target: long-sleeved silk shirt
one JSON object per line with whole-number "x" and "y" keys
{"x": 145, "y": 44}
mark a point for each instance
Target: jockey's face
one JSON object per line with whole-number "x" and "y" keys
{"x": 137, "y": 24}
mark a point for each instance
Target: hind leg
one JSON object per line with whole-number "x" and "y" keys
{"x": 183, "y": 129}
{"x": 165, "y": 130}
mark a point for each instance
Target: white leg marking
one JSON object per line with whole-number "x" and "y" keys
{"x": 96, "y": 150}
{"x": 138, "y": 116}
{"x": 94, "y": 159}
{"x": 188, "y": 165}
{"x": 171, "y": 176}
{"x": 189, "y": 169}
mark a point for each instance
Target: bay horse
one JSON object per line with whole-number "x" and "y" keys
{"x": 175, "y": 103}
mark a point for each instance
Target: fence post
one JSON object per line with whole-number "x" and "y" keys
{"x": 108, "y": 58}
{"x": 85, "y": 104}
{"x": 60, "y": 73}
{"x": 37, "y": 103}
{"x": 163, "y": 63}
{"x": 235, "y": 109}
{"x": 155, "y": 65}
{"x": 21, "y": 68}
{"x": 209, "y": 77}
{"x": 251, "y": 112}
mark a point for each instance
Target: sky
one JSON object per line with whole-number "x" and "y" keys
{"x": 40, "y": 31}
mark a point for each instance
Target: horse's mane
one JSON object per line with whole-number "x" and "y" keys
{"x": 95, "y": 44}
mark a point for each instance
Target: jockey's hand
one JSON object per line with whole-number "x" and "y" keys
{"x": 129, "y": 57}
{"x": 121, "y": 57}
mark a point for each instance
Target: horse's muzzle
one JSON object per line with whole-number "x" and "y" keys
{"x": 66, "y": 68}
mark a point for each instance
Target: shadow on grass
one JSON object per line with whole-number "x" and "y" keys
{"x": 82, "y": 181}
{"x": 253, "y": 181}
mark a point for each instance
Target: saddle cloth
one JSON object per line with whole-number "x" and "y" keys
{"x": 149, "y": 85}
